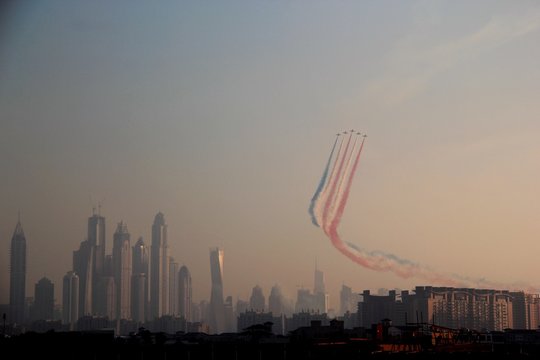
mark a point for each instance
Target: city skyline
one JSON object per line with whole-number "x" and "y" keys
{"x": 219, "y": 115}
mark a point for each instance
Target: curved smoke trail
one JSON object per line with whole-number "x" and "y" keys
{"x": 334, "y": 205}
{"x": 322, "y": 182}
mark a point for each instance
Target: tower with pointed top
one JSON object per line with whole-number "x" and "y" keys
{"x": 217, "y": 304}
{"x": 17, "y": 280}
{"x": 159, "y": 280}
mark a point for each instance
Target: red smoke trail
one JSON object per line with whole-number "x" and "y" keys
{"x": 378, "y": 263}
{"x": 331, "y": 195}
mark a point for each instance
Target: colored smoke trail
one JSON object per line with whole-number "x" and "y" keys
{"x": 322, "y": 182}
{"x": 331, "y": 197}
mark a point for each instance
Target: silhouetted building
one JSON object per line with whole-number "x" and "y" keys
{"x": 216, "y": 316}
{"x": 70, "y": 299}
{"x": 276, "y": 301}
{"x": 106, "y": 305}
{"x": 348, "y": 300}
{"x": 173, "y": 287}
{"x": 159, "y": 279}
{"x": 525, "y": 310}
{"x": 320, "y": 297}
{"x": 241, "y": 306}
{"x": 257, "y": 300}
{"x": 305, "y": 318}
{"x": 96, "y": 239}
{"x": 17, "y": 280}
{"x": 121, "y": 257}
{"x": 139, "y": 282}
{"x": 82, "y": 266}
{"x": 43, "y": 300}
{"x": 185, "y": 297}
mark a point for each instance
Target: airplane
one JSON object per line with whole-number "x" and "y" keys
{"x": 352, "y": 130}
{"x": 365, "y": 135}
{"x": 358, "y": 133}
{"x": 345, "y": 132}
{"x": 338, "y": 134}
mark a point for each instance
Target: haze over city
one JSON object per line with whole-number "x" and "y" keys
{"x": 222, "y": 115}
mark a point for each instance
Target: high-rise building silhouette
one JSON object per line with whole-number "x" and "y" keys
{"x": 173, "y": 287}
{"x": 121, "y": 258}
{"x": 319, "y": 292}
{"x": 217, "y": 307}
{"x": 257, "y": 302}
{"x": 82, "y": 266}
{"x": 159, "y": 281}
{"x": 70, "y": 299}
{"x": 346, "y": 300}
{"x": 96, "y": 238}
{"x": 17, "y": 280}
{"x": 43, "y": 300}
{"x": 276, "y": 303}
{"x": 139, "y": 282}
{"x": 185, "y": 297}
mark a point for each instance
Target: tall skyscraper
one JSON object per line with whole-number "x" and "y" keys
{"x": 96, "y": 238}
{"x": 82, "y": 266}
{"x": 17, "y": 280}
{"x": 43, "y": 300}
{"x": 70, "y": 299}
{"x": 159, "y": 281}
{"x": 276, "y": 303}
{"x": 139, "y": 282}
{"x": 122, "y": 271}
{"x": 185, "y": 297}
{"x": 217, "y": 306}
{"x": 319, "y": 292}
{"x": 173, "y": 287}
{"x": 257, "y": 301}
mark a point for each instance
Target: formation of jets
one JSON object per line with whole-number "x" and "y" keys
{"x": 352, "y": 132}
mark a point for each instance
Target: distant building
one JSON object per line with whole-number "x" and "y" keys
{"x": 320, "y": 297}
{"x": 121, "y": 259}
{"x": 139, "y": 281}
{"x": 17, "y": 280}
{"x": 257, "y": 300}
{"x": 276, "y": 301}
{"x": 70, "y": 299}
{"x": 82, "y": 266}
{"x": 216, "y": 316}
{"x": 479, "y": 309}
{"x": 173, "y": 287}
{"x": 185, "y": 296}
{"x": 97, "y": 241}
{"x": 44, "y": 300}
{"x": 159, "y": 274}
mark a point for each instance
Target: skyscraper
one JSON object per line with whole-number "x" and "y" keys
{"x": 122, "y": 271}
{"x": 257, "y": 300}
{"x": 82, "y": 266}
{"x": 96, "y": 239}
{"x": 44, "y": 300}
{"x": 139, "y": 282}
{"x": 159, "y": 281}
{"x": 276, "y": 304}
{"x": 173, "y": 287}
{"x": 70, "y": 299}
{"x": 17, "y": 280}
{"x": 185, "y": 297}
{"x": 217, "y": 308}
{"x": 319, "y": 292}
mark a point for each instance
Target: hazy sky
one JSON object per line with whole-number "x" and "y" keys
{"x": 222, "y": 115}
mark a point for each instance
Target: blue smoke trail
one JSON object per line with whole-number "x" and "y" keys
{"x": 321, "y": 186}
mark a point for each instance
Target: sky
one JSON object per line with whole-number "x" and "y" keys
{"x": 222, "y": 115}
